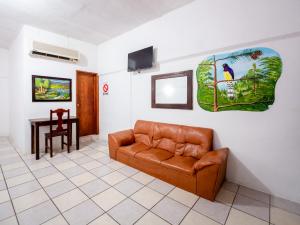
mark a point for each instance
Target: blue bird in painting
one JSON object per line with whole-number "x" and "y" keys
{"x": 228, "y": 72}
{"x": 229, "y": 77}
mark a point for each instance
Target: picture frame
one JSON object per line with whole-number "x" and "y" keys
{"x": 172, "y": 90}
{"x": 51, "y": 89}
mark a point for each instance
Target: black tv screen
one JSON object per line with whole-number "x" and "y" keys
{"x": 141, "y": 59}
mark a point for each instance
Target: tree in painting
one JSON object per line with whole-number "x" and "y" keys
{"x": 42, "y": 85}
{"x": 242, "y": 80}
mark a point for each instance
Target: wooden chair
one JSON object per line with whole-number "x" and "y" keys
{"x": 60, "y": 130}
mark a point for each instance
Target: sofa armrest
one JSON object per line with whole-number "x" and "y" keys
{"x": 210, "y": 171}
{"x": 216, "y": 157}
{"x": 118, "y": 139}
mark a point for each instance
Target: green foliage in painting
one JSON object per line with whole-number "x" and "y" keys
{"x": 243, "y": 80}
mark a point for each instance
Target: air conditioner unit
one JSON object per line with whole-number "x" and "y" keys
{"x": 40, "y": 49}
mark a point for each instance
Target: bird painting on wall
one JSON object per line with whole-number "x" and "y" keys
{"x": 229, "y": 77}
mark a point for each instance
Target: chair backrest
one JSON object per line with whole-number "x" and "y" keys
{"x": 60, "y": 120}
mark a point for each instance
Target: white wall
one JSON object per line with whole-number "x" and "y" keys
{"x": 17, "y": 92}
{"x": 264, "y": 145}
{"x": 4, "y": 89}
{"x": 47, "y": 67}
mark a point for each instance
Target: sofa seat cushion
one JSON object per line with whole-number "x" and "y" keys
{"x": 154, "y": 155}
{"x": 133, "y": 149}
{"x": 181, "y": 163}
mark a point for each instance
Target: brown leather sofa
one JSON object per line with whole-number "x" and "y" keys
{"x": 180, "y": 155}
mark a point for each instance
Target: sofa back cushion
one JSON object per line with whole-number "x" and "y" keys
{"x": 194, "y": 141}
{"x": 165, "y": 136}
{"x": 177, "y": 139}
{"x": 143, "y": 132}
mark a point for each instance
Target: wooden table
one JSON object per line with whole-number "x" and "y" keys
{"x": 40, "y": 122}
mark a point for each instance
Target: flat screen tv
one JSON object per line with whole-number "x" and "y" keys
{"x": 141, "y": 59}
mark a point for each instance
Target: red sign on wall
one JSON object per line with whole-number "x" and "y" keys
{"x": 105, "y": 89}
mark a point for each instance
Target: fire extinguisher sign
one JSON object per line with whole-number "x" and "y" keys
{"x": 105, "y": 89}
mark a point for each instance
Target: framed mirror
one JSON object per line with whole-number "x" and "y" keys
{"x": 173, "y": 90}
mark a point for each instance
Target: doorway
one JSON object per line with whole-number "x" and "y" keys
{"x": 87, "y": 102}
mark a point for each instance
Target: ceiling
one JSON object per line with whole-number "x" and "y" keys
{"x": 93, "y": 21}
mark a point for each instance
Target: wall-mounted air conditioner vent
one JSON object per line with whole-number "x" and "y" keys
{"x": 40, "y": 49}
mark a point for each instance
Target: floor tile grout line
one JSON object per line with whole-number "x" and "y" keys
{"x": 78, "y": 187}
{"x": 250, "y": 214}
{"x": 112, "y": 186}
{"x": 22, "y": 182}
{"x": 32, "y": 207}
{"x": 34, "y": 191}
{"x": 39, "y": 184}
{"x": 148, "y": 210}
{"x": 191, "y": 208}
{"x": 232, "y": 207}
{"x": 9, "y": 196}
{"x": 208, "y": 217}
{"x": 158, "y": 191}
{"x": 117, "y": 190}
{"x": 26, "y": 193}
{"x": 44, "y": 191}
{"x": 204, "y": 214}
{"x": 164, "y": 196}
{"x": 62, "y": 193}
{"x": 116, "y": 183}
{"x": 269, "y": 209}
{"x": 12, "y": 168}
{"x": 121, "y": 181}
{"x": 236, "y": 193}
{"x": 16, "y": 175}
{"x": 101, "y": 216}
{"x": 255, "y": 198}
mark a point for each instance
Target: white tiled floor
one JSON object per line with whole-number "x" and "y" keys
{"x": 147, "y": 197}
{"x": 29, "y": 200}
{"x": 83, "y": 178}
{"x": 69, "y": 199}
{"x": 183, "y": 196}
{"x": 4, "y": 196}
{"x": 143, "y": 178}
{"x": 109, "y": 198}
{"x": 151, "y": 218}
{"x": 51, "y": 179}
{"x": 87, "y": 187}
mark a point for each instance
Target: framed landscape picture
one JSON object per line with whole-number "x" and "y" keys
{"x": 51, "y": 89}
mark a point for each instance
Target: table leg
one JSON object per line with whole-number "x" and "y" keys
{"x": 77, "y": 134}
{"x": 37, "y": 142}
{"x": 32, "y": 139}
{"x": 70, "y": 135}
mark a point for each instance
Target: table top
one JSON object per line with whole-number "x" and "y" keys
{"x": 37, "y": 120}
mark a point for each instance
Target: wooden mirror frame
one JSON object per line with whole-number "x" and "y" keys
{"x": 188, "y": 105}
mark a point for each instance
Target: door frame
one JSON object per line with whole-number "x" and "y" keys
{"x": 96, "y": 95}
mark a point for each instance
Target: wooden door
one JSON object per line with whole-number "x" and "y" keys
{"x": 87, "y": 102}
